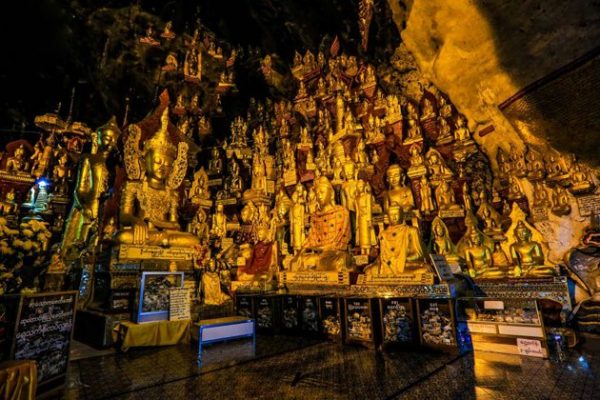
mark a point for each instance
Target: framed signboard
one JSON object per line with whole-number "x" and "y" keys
{"x": 243, "y": 306}
{"x": 43, "y": 332}
{"x": 359, "y": 321}
{"x": 397, "y": 321}
{"x": 290, "y": 319}
{"x": 437, "y": 323}
{"x": 153, "y": 304}
{"x": 310, "y": 314}
{"x": 330, "y": 316}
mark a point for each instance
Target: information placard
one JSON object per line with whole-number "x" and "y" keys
{"x": 43, "y": 332}
{"x": 179, "y": 304}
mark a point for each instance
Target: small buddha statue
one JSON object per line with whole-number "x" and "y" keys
{"x": 16, "y": 163}
{"x": 8, "y": 206}
{"x": 414, "y": 133}
{"x": 215, "y": 164}
{"x": 311, "y": 202}
{"x": 60, "y": 173}
{"x": 211, "y": 286}
{"x": 397, "y": 193}
{"x": 517, "y": 159}
{"x": 479, "y": 258}
{"x": 329, "y": 234}
{"x": 437, "y": 167}
{"x": 536, "y": 169}
{"x": 561, "y": 204}
{"x": 297, "y": 234}
{"x": 411, "y": 112}
{"x": 199, "y": 191}
{"x": 445, "y": 198}
{"x": 515, "y": 192}
{"x": 401, "y": 248}
{"x": 462, "y": 135}
{"x": 427, "y": 110}
{"x": 199, "y": 226}
{"x": 527, "y": 255}
{"x": 92, "y": 184}
{"x": 444, "y": 133}
{"x": 580, "y": 180}
{"x": 233, "y": 183}
{"x": 441, "y": 243}
{"x": 540, "y": 195}
{"x": 417, "y": 163}
{"x": 149, "y": 200}
{"x": 218, "y": 226}
{"x": 427, "y": 205}
{"x": 499, "y": 258}
{"x": 261, "y": 266}
{"x": 365, "y": 234}
{"x": 445, "y": 109}
{"x": 167, "y": 32}
{"x": 349, "y": 186}
{"x": 360, "y": 155}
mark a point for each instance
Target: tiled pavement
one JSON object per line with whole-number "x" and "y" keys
{"x": 295, "y": 368}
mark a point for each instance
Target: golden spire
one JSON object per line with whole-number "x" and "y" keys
{"x": 160, "y": 141}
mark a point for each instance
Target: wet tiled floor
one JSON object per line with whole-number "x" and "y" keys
{"x": 296, "y": 368}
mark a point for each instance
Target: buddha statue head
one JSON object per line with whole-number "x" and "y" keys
{"x": 522, "y": 232}
{"x": 325, "y": 193}
{"x": 394, "y": 175}
{"x": 107, "y": 135}
{"x": 475, "y": 239}
{"x": 394, "y": 214}
{"x": 159, "y": 152}
{"x": 262, "y": 232}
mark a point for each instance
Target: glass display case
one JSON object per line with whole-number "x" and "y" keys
{"x": 153, "y": 302}
{"x": 504, "y": 325}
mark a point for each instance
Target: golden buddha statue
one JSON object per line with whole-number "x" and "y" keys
{"x": 414, "y": 133}
{"x": 311, "y": 202}
{"x": 17, "y": 163}
{"x": 540, "y": 195}
{"x": 199, "y": 226}
{"x": 462, "y": 135}
{"x": 445, "y": 198}
{"x": 527, "y": 255}
{"x": 580, "y": 180}
{"x": 349, "y": 186}
{"x": 427, "y": 204}
{"x": 199, "y": 192}
{"x": 535, "y": 165}
{"x": 8, "y": 206}
{"x": 437, "y": 167}
{"x": 215, "y": 164}
{"x": 444, "y": 132}
{"x": 427, "y": 110}
{"x": 211, "y": 286}
{"x": 417, "y": 163}
{"x": 218, "y": 226}
{"x": 149, "y": 201}
{"x": 441, "y": 243}
{"x": 297, "y": 235}
{"x": 365, "y": 234}
{"x": 479, "y": 258}
{"x": 91, "y": 185}
{"x": 445, "y": 108}
{"x": 561, "y": 204}
{"x": 329, "y": 234}
{"x": 60, "y": 173}
{"x": 400, "y": 248}
{"x": 515, "y": 191}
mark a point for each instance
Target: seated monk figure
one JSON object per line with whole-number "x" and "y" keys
{"x": 150, "y": 199}
{"x": 401, "y": 248}
{"x": 527, "y": 255}
{"x": 262, "y": 263}
{"x": 328, "y": 236}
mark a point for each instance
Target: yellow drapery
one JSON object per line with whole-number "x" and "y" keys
{"x": 160, "y": 333}
{"x": 18, "y": 380}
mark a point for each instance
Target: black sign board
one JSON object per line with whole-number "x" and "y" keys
{"x": 289, "y": 313}
{"x": 397, "y": 320}
{"x": 264, "y": 312}
{"x": 437, "y": 323}
{"x": 359, "y": 320}
{"x": 43, "y": 332}
{"x": 329, "y": 313}
{"x": 244, "y": 306}
{"x": 310, "y": 314}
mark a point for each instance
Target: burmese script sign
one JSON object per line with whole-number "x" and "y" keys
{"x": 588, "y": 205}
{"x": 530, "y": 347}
{"x": 400, "y": 279}
{"x": 44, "y": 331}
{"x": 179, "y": 304}
{"x": 316, "y": 277}
{"x": 142, "y": 252}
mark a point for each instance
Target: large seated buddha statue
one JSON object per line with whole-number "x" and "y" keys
{"x": 149, "y": 201}
{"x": 325, "y": 248}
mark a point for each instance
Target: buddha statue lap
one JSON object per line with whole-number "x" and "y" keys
{"x": 479, "y": 258}
{"x": 329, "y": 234}
{"x": 149, "y": 202}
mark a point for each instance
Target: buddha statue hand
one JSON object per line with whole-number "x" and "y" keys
{"x": 140, "y": 232}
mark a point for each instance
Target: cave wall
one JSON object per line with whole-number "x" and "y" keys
{"x": 482, "y": 53}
